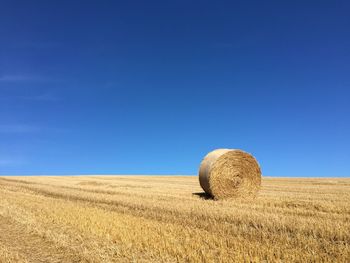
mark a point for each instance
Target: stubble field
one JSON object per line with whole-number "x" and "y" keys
{"x": 168, "y": 219}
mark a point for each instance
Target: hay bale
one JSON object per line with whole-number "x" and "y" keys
{"x": 227, "y": 173}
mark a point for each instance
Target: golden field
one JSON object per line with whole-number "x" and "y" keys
{"x": 168, "y": 219}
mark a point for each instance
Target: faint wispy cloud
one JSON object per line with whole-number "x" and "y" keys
{"x": 9, "y": 161}
{"x": 27, "y": 128}
{"x": 19, "y": 128}
{"x": 15, "y": 78}
{"x": 5, "y": 162}
{"x": 42, "y": 97}
{"x": 24, "y": 78}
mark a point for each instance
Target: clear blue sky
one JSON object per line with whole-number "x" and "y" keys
{"x": 149, "y": 87}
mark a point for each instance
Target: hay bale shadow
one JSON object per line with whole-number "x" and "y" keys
{"x": 204, "y": 195}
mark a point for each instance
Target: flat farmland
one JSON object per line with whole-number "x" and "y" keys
{"x": 169, "y": 219}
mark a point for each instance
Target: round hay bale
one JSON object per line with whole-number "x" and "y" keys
{"x": 227, "y": 173}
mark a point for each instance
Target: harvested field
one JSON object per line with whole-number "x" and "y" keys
{"x": 169, "y": 219}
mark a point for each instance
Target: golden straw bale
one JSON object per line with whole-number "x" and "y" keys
{"x": 230, "y": 173}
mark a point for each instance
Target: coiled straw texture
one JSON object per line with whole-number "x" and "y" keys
{"x": 230, "y": 173}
